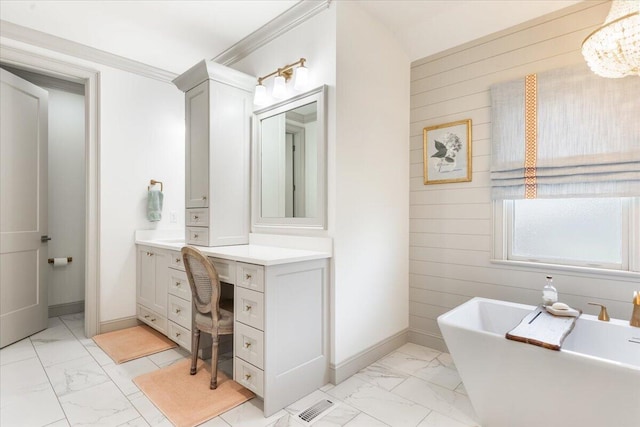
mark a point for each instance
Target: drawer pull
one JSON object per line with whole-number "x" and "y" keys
{"x": 247, "y": 276}
{"x": 177, "y": 260}
{"x": 178, "y": 284}
{"x": 247, "y": 377}
{"x": 247, "y": 345}
{"x": 153, "y": 319}
{"x": 149, "y": 253}
{"x": 247, "y": 308}
{"x": 146, "y": 316}
{"x": 196, "y": 217}
{"x": 204, "y": 197}
{"x": 178, "y": 334}
{"x": 195, "y": 236}
{"x": 177, "y": 311}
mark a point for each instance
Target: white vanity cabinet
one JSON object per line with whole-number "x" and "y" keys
{"x": 151, "y": 287}
{"x": 248, "y": 330}
{"x": 178, "y": 302}
{"x": 281, "y": 330}
{"x": 218, "y": 108}
{"x": 281, "y": 316}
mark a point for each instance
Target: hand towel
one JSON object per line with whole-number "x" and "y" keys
{"x": 154, "y": 205}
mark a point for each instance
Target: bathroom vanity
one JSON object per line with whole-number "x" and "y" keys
{"x": 281, "y": 299}
{"x": 280, "y": 287}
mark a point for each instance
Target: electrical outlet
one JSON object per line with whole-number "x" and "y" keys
{"x": 173, "y": 217}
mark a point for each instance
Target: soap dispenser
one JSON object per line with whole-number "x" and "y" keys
{"x": 549, "y": 293}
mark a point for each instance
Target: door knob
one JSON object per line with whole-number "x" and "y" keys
{"x": 45, "y": 238}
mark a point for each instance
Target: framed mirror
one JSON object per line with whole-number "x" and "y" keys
{"x": 289, "y": 164}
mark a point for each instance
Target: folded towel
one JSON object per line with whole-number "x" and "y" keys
{"x": 154, "y": 205}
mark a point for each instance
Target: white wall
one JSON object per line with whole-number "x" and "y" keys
{"x": 371, "y": 183}
{"x": 368, "y": 174}
{"x": 141, "y": 137}
{"x": 451, "y": 224}
{"x": 66, "y": 195}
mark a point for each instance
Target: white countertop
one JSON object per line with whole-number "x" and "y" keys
{"x": 253, "y": 254}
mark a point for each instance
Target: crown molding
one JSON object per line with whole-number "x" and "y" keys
{"x": 78, "y": 50}
{"x": 47, "y": 81}
{"x": 273, "y": 29}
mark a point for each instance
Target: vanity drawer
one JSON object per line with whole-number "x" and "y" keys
{"x": 198, "y": 236}
{"x": 179, "y": 284}
{"x": 249, "y": 307}
{"x": 175, "y": 260}
{"x": 152, "y": 319}
{"x": 180, "y": 335}
{"x": 197, "y": 217}
{"x": 249, "y": 376}
{"x": 226, "y": 269}
{"x": 179, "y": 311}
{"x": 250, "y": 276}
{"x": 249, "y": 344}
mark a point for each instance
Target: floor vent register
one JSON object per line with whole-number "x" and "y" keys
{"x": 313, "y": 411}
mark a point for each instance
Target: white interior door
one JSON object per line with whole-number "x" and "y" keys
{"x": 23, "y": 209}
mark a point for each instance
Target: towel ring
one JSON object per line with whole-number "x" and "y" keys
{"x": 154, "y": 182}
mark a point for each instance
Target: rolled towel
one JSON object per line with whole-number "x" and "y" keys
{"x": 154, "y": 205}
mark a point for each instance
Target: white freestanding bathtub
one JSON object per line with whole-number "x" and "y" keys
{"x": 594, "y": 381}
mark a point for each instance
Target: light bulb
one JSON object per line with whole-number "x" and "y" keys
{"x": 279, "y": 87}
{"x": 260, "y": 95}
{"x": 302, "y": 78}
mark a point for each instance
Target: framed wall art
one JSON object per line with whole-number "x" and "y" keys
{"x": 447, "y": 152}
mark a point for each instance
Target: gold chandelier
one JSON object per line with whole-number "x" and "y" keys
{"x": 613, "y": 50}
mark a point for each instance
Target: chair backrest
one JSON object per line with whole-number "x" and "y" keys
{"x": 203, "y": 280}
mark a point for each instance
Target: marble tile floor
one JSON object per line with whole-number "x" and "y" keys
{"x": 58, "y": 377}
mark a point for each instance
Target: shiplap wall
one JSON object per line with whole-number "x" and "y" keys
{"x": 451, "y": 224}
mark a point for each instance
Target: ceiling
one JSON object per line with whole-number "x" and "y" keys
{"x": 174, "y": 35}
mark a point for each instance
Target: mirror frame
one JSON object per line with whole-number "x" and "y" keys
{"x": 272, "y": 225}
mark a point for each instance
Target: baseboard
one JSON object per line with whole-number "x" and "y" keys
{"x": 66, "y": 308}
{"x": 116, "y": 325}
{"x": 428, "y": 340}
{"x": 342, "y": 371}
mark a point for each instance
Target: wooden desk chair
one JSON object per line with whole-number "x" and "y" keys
{"x": 207, "y": 314}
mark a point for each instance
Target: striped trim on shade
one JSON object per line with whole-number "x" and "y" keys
{"x": 530, "y": 136}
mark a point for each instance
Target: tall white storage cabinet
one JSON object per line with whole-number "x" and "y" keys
{"x": 219, "y": 102}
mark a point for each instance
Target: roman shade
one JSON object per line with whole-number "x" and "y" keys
{"x": 565, "y": 133}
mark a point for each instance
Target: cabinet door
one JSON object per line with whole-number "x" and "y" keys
{"x": 146, "y": 289}
{"x": 162, "y": 277}
{"x": 152, "y": 279}
{"x": 197, "y": 146}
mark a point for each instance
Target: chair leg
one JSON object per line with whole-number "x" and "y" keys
{"x": 195, "y": 342}
{"x": 214, "y": 362}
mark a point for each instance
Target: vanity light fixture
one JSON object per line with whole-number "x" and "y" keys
{"x": 613, "y": 49}
{"x": 279, "y": 87}
{"x": 282, "y": 76}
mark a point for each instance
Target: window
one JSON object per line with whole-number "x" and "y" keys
{"x": 597, "y": 233}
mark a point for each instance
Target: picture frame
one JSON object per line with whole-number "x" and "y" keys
{"x": 447, "y": 152}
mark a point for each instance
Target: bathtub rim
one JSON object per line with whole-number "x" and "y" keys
{"x": 444, "y": 319}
